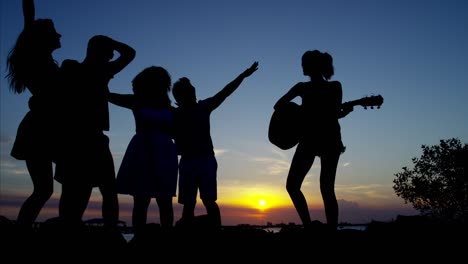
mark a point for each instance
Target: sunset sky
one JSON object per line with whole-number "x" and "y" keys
{"x": 413, "y": 53}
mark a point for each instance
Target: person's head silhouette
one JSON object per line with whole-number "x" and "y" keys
{"x": 100, "y": 49}
{"x": 44, "y": 36}
{"x": 33, "y": 47}
{"x": 317, "y": 65}
{"x": 184, "y": 92}
{"x": 152, "y": 84}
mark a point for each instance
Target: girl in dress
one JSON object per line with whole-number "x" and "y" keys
{"x": 149, "y": 166}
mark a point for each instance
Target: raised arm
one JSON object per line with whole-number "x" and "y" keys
{"x": 28, "y": 12}
{"x": 127, "y": 54}
{"x": 289, "y": 96}
{"x": 233, "y": 85}
{"x": 122, "y": 100}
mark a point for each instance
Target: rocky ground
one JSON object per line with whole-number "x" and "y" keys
{"x": 382, "y": 242}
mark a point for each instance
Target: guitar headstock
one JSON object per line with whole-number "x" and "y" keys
{"x": 370, "y": 101}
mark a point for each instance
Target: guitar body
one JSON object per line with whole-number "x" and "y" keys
{"x": 284, "y": 129}
{"x": 285, "y": 123}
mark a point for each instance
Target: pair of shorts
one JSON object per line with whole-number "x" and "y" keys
{"x": 197, "y": 173}
{"x": 86, "y": 161}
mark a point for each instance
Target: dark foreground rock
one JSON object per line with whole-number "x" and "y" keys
{"x": 379, "y": 242}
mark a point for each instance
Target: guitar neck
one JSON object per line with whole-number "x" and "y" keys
{"x": 369, "y": 101}
{"x": 352, "y": 103}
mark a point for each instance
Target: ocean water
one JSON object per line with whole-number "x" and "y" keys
{"x": 128, "y": 236}
{"x": 353, "y": 227}
{"x": 276, "y": 229}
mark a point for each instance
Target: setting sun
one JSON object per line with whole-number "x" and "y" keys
{"x": 262, "y": 204}
{"x": 263, "y": 198}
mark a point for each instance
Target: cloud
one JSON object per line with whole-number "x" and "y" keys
{"x": 273, "y": 166}
{"x": 12, "y": 167}
{"x": 219, "y": 152}
{"x": 6, "y": 140}
{"x": 280, "y": 153}
{"x": 346, "y": 205}
{"x": 368, "y": 193}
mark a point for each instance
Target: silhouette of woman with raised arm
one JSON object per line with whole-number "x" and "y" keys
{"x": 149, "y": 166}
{"x": 198, "y": 165}
{"x": 86, "y": 161}
{"x": 31, "y": 67}
{"x": 322, "y": 107}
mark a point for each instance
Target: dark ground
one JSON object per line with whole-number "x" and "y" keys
{"x": 402, "y": 241}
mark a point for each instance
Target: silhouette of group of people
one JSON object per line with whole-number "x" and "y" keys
{"x": 68, "y": 114}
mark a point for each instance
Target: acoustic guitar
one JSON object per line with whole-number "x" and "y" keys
{"x": 285, "y": 123}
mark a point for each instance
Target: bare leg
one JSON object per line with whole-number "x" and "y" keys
{"x": 213, "y": 212}
{"x": 73, "y": 202}
{"x": 140, "y": 213}
{"x": 166, "y": 212}
{"x": 110, "y": 205}
{"x": 41, "y": 172}
{"x": 300, "y": 166}
{"x": 188, "y": 212}
{"x": 329, "y": 164}
{"x": 108, "y": 189}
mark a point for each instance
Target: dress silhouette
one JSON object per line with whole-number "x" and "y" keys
{"x": 198, "y": 165}
{"x": 149, "y": 166}
{"x": 85, "y": 159}
{"x": 31, "y": 67}
{"x": 320, "y": 135}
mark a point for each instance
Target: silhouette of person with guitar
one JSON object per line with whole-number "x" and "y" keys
{"x": 320, "y": 133}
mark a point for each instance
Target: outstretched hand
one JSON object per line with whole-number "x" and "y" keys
{"x": 250, "y": 70}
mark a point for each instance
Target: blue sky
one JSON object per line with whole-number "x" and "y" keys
{"x": 413, "y": 53}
